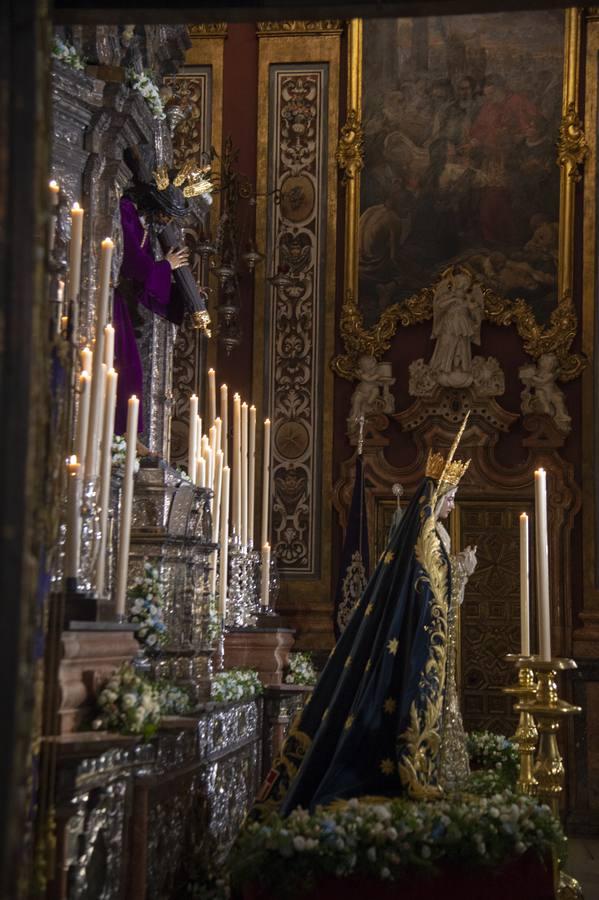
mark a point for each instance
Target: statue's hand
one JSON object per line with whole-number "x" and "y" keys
{"x": 177, "y": 258}
{"x": 469, "y": 560}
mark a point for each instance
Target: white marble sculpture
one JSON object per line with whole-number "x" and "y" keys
{"x": 372, "y": 393}
{"x": 541, "y": 394}
{"x": 458, "y": 311}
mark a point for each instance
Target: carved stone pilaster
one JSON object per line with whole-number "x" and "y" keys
{"x": 76, "y": 100}
{"x": 99, "y": 44}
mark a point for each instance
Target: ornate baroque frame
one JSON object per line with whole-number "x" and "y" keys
{"x": 558, "y": 335}
{"x": 590, "y": 449}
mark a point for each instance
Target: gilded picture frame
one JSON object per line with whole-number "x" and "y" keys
{"x": 554, "y": 335}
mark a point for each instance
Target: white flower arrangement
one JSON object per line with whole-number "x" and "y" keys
{"x": 146, "y": 605}
{"x": 67, "y": 54}
{"x": 493, "y": 752}
{"x": 119, "y": 453}
{"x": 128, "y": 704}
{"x": 145, "y": 85}
{"x": 390, "y": 839}
{"x": 174, "y": 701}
{"x": 235, "y": 684}
{"x": 301, "y": 669}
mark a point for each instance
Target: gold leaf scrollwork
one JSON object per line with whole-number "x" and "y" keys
{"x": 572, "y": 146}
{"x": 421, "y": 738}
{"x": 350, "y": 149}
{"x": 556, "y": 337}
{"x": 300, "y": 26}
{"x": 208, "y": 29}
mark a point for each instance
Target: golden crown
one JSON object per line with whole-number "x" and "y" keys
{"x": 450, "y": 470}
{"x": 439, "y": 469}
{"x": 197, "y": 178}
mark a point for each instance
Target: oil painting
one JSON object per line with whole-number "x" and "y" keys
{"x": 461, "y": 117}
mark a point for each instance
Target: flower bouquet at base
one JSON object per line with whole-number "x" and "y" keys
{"x": 375, "y": 842}
{"x": 301, "y": 670}
{"x": 146, "y": 605}
{"x": 128, "y": 704}
{"x": 234, "y": 685}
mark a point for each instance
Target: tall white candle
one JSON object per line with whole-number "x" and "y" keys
{"x": 73, "y": 533}
{"x": 265, "y": 575}
{"x": 83, "y": 415}
{"x": 59, "y": 303}
{"x": 74, "y": 274}
{"x": 126, "y": 507}
{"x": 265, "y": 482}
{"x": 107, "y": 247}
{"x": 97, "y": 399}
{"x": 94, "y": 431}
{"x": 105, "y": 467}
{"x": 236, "y": 465}
{"x": 244, "y": 473}
{"x": 211, "y": 396}
{"x": 542, "y": 548}
{"x": 224, "y": 414}
{"x": 218, "y": 487}
{"x": 198, "y": 434}
{"x": 218, "y": 424}
{"x": 251, "y": 474}
{"x": 218, "y": 484}
{"x": 87, "y": 358}
{"x": 54, "y": 192}
{"x": 208, "y": 456}
{"x": 212, "y": 438}
{"x": 524, "y": 588}
{"x": 192, "y": 449}
{"x": 109, "y": 346}
{"x": 201, "y": 472}
{"x": 224, "y": 543}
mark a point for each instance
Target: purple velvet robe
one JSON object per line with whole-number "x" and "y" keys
{"x": 149, "y": 282}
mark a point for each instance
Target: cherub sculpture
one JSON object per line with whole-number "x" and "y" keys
{"x": 371, "y": 394}
{"x": 541, "y": 394}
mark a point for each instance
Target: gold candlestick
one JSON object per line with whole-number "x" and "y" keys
{"x": 548, "y": 710}
{"x": 526, "y": 734}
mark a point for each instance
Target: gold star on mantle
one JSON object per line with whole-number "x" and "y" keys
{"x": 369, "y": 609}
{"x": 392, "y": 646}
{"x": 389, "y": 705}
{"x": 387, "y": 766}
{"x": 349, "y": 722}
{"x": 348, "y": 662}
{"x": 388, "y": 557}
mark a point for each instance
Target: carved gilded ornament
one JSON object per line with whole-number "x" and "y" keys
{"x": 572, "y": 147}
{"x": 350, "y": 149}
{"x": 556, "y": 337}
{"x": 208, "y": 29}
{"x": 301, "y": 26}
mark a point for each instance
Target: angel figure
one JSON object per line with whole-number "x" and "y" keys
{"x": 541, "y": 394}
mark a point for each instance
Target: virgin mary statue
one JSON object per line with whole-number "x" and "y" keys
{"x": 383, "y": 718}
